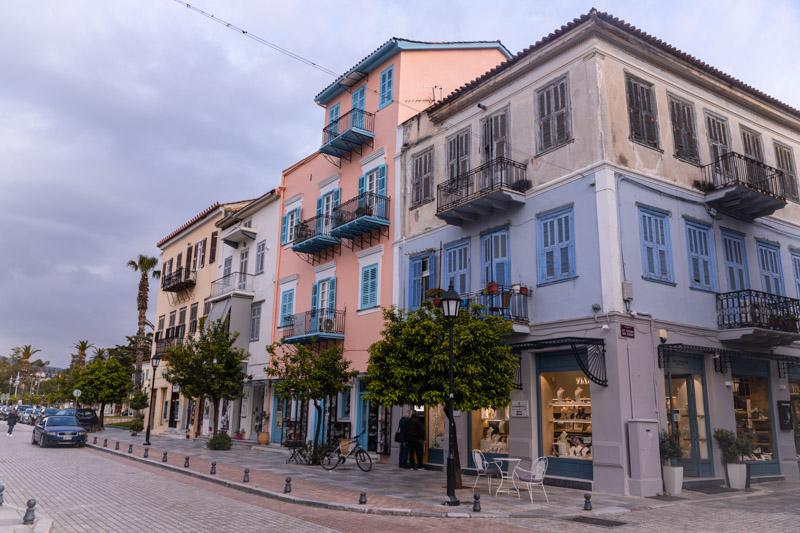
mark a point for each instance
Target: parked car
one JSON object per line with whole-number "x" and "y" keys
{"x": 87, "y": 418}
{"x": 4, "y": 412}
{"x": 44, "y": 413}
{"x": 58, "y": 430}
{"x": 34, "y": 416}
{"x": 26, "y": 415}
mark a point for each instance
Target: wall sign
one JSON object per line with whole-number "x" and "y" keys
{"x": 519, "y": 409}
{"x": 785, "y": 414}
{"x": 627, "y": 332}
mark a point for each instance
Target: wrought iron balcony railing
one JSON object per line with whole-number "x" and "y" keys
{"x": 500, "y": 173}
{"x": 163, "y": 345}
{"x": 734, "y": 169}
{"x": 324, "y": 324}
{"x": 180, "y": 279}
{"x": 348, "y": 132}
{"x": 314, "y": 234}
{"x": 503, "y": 303}
{"x": 755, "y": 309}
{"x": 366, "y": 212}
{"x": 235, "y": 281}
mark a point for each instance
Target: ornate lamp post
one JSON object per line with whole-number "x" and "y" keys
{"x": 153, "y": 363}
{"x": 451, "y": 302}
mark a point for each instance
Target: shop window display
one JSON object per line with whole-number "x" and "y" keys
{"x": 752, "y": 409}
{"x": 490, "y": 430}
{"x": 566, "y": 415}
{"x": 794, "y": 390}
{"x": 436, "y": 427}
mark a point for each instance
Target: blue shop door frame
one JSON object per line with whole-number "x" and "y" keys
{"x": 276, "y": 434}
{"x": 362, "y": 414}
{"x": 744, "y": 368}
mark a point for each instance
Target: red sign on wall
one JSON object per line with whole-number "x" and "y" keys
{"x": 628, "y": 332}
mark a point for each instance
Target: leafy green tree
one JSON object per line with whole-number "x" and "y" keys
{"x": 209, "y": 365}
{"x": 102, "y": 382}
{"x": 303, "y": 375}
{"x": 409, "y": 366}
{"x": 144, "y": 265}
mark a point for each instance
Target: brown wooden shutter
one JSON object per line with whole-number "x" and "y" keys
{"x": 178, "y": 262}
{"x": 194, "y": 255}
{"x": 203, "y": 253}
{"x": 635, "y": 110}
{"x": 212, "y": 254}
{"x": 189, "y": 262}
{"x": 677, "y": 128}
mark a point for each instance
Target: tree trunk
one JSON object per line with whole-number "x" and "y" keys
{"x": 215, "y": 401}
{"x": 102, "y": 414}
{"x": 141, "y": 304}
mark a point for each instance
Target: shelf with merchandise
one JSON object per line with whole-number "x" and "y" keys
{"x": 571, "y": 420}
{"x": 571, "y": 404}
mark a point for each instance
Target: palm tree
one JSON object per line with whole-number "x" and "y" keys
{"x": 26, "y": 353}
{"x": 144, "y": 265}
{"x": 81, "y": 346}
{"x": 100, "y": 353}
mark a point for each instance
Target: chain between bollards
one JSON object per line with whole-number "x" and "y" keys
{"x": 30, "y": 516}
{"x": 213, "y": 467}
{"x": 164, "y": 459}
{"x": 246, "y": 476}
{"x": 476, "y": 505}
{"x": 288, "y": 487}
{"x": 587, "y": 505}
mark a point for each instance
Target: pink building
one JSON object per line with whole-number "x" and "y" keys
{"x": 339, "y": 205}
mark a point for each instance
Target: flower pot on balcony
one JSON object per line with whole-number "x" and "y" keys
{"x": 506, "y": 296}
{"x": 437, "y": 302}
{"x": 523, "y": 290}
{"x": 492, "y": 288}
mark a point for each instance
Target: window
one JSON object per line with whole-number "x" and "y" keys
{"x": 456, "y": 266}
{"x": 171, "y": 326}
{"x": 752, "y": 144}
{"x": 422, "y": 178}
{"x": 496, "y": 258}
{"x": 255, "y": 321}
{"x": 167, "y": 268}
{"x": 796, "y": 268}
{"x": 369, "y": 286}
{"x": 261, "y": 249}
{"x": 212, "y": 254}
{"x": 769, "y": 263}
{"x": 200, "y": 254}
{"x": 189, "y": 262}
{"x": 422, "y": 277}
{"x": 344, "y": 401}
{"x": 684, "y": 134}
{"x": 642, "y": 111}
{"x": 719, "y": 146}
{"x": 656, "y": 248}
{"x": 556, "y": 245}
{"x": 372, "y": 193}
{"x": 178, "y": 262}
{"x": 243, "y": 257}
{"x": 495, "y": 137}
{"x": 735, "y": 261}
{"x": 227, "y": 266}
{"x": 160, "y": 331}
{"x": 458, "y": 154}
{"x": 333, "y": 122}
{"x": 290, "y": 220}
{"x": 325, "y": 206}
{"x": 206, "y": 308}
{"x": 193, "y": 319}
{"x": 785, "y": 162}
{"x": 323, "y": 305}
{"x": 553, "y": 108}
{"x": 287, "y": 307}
{"x": 181, "y": 330}
{"x": 358, "y": 105}
{"x": 387, "y": 78}
{"x": 700, "y": 248}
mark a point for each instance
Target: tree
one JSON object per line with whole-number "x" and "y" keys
{"x": 209, "y": 365}
{"x": 409, "y": 366}
{"x": 144, "y": 265}
{"x": 305, "y": 376}
{"x": 79, "y": 359}
{"x": 100, "y": 353}
{"x": 20, "y": 362}
{"x": 103, "y": 382}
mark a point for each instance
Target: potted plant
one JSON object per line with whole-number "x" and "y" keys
{"x": 734, "y": 448}
{"x": 492, "y": 287}
{"x": 263, "y": 435}
{"x": 523, "y": 290}
{"x": 239, "y": 434}
{"x": 521, "y": 185}
{"x": 671, "y": 450}
{"x": 435, "y": 295}
{"x": 363, "y": 211}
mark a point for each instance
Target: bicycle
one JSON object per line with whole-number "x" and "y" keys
{"x": 347, "y": 447}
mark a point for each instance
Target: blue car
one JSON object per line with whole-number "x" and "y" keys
{"x": 58, "y": 431}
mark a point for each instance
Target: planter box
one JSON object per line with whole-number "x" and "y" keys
{"x": 737, "y": 475}
{"x": 673, "y": 479}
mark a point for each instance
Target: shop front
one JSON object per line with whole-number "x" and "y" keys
{"x": 752, "y": 402}
{"x": 794, "y": 391}
{"x": 373, "y": 423}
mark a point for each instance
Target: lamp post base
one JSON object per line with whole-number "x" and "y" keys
{"x": 451, "y": 501}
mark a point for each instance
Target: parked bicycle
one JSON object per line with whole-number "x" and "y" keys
{"x": 347, "y": 448}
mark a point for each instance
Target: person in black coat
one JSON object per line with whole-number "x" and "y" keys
{"x": 415, "y": 433}
{"x": 12, "y": 421}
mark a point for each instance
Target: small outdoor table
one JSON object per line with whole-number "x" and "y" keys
{"x": 508, "y": 475}
{"x": 295, "y": 446}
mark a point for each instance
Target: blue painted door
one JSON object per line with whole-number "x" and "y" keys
{"x": 358, "y": 107}
{"x": 735, "y": 261}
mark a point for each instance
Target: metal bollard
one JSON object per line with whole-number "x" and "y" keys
{"x": 116, "y": 447}
{"x": 2, "y": 488}
{"x": 30, "y": 516}
{"x": 476, "y": 505}
{"x": 587, "y": 505}
{"x": 213, "y": 467}
{"x": 130, "y": 448}
{"x": 95, "y": 440}
{"x": 246, "y": 476}
{"x": 146, "y": 453}
{"x": 362, "y": 500}
{"x": 105, "y": 443}
{"x": 164, "y": 459}
{"x": 186, "y": 462}
{"x": 288, "y": 487}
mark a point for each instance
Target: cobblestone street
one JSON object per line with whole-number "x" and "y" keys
{"x": 86, "y": 490}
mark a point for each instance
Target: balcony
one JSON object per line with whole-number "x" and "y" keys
{"x": 363, "y": 214}
{"x": 743, "y": 187}
{"x": 758, "y": 318}
{"x": 313, "y": 326}
{"x": 163, "y": 345}
{"x": 237, "y": 234}
{"x": 235, "y": 282}
{"x": 349, "y": 132}
{"x": 314, "y": 235}
{"x": 507, "y": 302}
{"x": 497, "y": 185}
{"x": 181, "y": 279}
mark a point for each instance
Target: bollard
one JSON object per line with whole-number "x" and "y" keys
{"x": 288, "y": 487}
{"x": 130, "y": 448}
{"x": 2, "y": 488}
{"x": 587, "y": 505}
{"x": 186, "y": 462}
{"x": 105, "y": 443}
{"x": 213, "y": 467}
{"x": 146, "y": 453}
{"x": 30, "y": 516}
{"x": 246, "y": 476}
{"x": 95, "y": 440}
{"x": 362, "y": 500}
{"x": 476, "y": 505}
{"x": 116, "y": 447}
{"x": 164, "y": 459}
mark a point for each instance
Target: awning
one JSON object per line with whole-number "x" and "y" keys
{"x": 218, "y": 310}
{"x": 723, "y": 357}
{"x": 589, "y": 353}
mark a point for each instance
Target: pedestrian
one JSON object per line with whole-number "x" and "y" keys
{"x": 415, "y": 433}
{"x": 401, "y": 435}
{"x": 12, "y": 421}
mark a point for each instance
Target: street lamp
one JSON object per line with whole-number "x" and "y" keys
{"x": 154, "y": 364}
{"x": 451, "y": 302}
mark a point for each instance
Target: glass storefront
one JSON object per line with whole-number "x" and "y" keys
{"x": 794, "y": 390}
{"x": 489, "y": 431}
{"x": 751, "y": 405}
{"x": 566, "y": 415}
{"x": 435, "y": 434}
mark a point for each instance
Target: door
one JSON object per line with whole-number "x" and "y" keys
{"x": 718, "y": 144}
{"x": 174, "y": 410}
{"x": 686, "y": 412}
{"x": 796, "y": 423}
{"x": 358, "y": 106}
{"x": 495, "y": 146}
{"x": 242, "y": 284}
{"x": 735, "y": 262}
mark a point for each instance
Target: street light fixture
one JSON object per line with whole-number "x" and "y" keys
{"x": 451, "y": 302}
{"x": 153, "y": 363}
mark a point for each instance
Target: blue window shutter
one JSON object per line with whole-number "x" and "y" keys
{"x": 555, "y": 246}
{"x": 735, "y": 257}
{"x": 434, "y": 270}
{"x": 699, "y": 248}
{"x": 373, "y": 286}
{"x": 456, "y": 267}
{"x": 382, "y": 180}
{"x": 314, "y": 296}
{"x": 769, "y": 263}
{"x": 386, "y": 87}
{"x": 414, "y": 287}
{"x": 285, "y": 229}
{"x": 656, "y": 258}
{"x": 364, "y": 287}
{"x": 361, "y": 184}
{"x": 369, "y": 286}
{"x": 796, "y": 268}
{"x": 318, "y": 225}
{"x": 357, "y": 107}
{"x": 332, "y": 294}
{"x": 337, "y": 193}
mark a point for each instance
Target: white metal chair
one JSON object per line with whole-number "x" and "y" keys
{"x": 534, "y": 476}
{"x": 486, "y": 468}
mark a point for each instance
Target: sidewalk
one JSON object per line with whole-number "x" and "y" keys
{"x": 389, "y": 490}
{"x": 11, "y": 521}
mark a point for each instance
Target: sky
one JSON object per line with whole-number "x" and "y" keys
{"x": 122, "y": 119}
